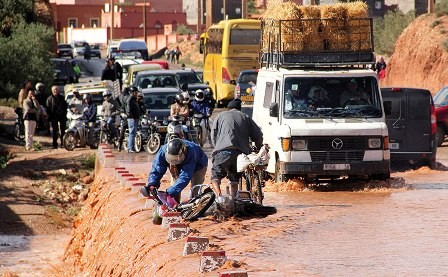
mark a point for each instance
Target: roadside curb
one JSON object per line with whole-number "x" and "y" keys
{"x": 195, "y": 245}
{"x": 178, "y": 231}
{"x": 211, "y": 260}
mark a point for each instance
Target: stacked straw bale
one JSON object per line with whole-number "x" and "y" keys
{"x": 326, "y": 27}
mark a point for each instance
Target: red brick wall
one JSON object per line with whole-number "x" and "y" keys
{"x": 83, "y": 12}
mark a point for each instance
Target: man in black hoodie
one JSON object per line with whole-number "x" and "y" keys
{"x": 57, "y": 114}
{"x": 133, "y": 115}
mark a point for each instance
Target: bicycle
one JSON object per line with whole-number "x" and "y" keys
{"x": 253, "y": 168}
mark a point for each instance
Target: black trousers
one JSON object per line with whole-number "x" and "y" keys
{"x": 58, "y": 127}
{"x": 123, "y": 128}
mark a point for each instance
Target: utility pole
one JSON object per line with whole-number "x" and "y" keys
{"x": 224, "y": 9}
{"x": 112, "y": 19}
{"x": 430, "y": 6}
{"x": 144, "y": 21}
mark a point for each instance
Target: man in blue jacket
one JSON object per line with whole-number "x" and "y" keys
{"x": 186, "y": 161}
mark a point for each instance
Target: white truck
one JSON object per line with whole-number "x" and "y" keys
{"x": 321, "y": 111}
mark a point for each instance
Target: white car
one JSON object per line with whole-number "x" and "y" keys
{"x": 78, "y": 47}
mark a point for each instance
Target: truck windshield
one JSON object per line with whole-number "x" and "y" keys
{"x": 336, "y": 97}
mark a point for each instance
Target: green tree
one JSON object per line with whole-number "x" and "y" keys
{"x": 25, "y": 47}
{"x": 387, "y": 30}
{"x": 184, "y": 30}
{"x": 251, "y": 7}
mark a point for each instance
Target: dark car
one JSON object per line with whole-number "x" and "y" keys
{"x": 245, "y": 85}
{"x": 411, "y": 122}
{"x": 189, "y": 80}
{"x": 441, "y": 105}
{"x": 63, "y": 72}
{"x": 95, "y": 51}
{"x": 65, "y": 50}
{"x": 158, "y": 100}
{"x": 156, "y": 78}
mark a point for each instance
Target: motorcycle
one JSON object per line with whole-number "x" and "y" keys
{"x": 77, "y": 134}
{"x": 154, "y": 140}
{"x": 180, "y": 127}
{"x": 189, "y": 210}
{"x": 106, "y": 134}
{"x": 202, "y": 127}
{"x": 19, "y": 125}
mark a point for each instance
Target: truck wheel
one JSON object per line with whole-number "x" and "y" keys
{"x": 440, "y": 136}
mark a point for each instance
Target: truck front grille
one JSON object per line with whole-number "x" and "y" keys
{"x": 337, "y": 156}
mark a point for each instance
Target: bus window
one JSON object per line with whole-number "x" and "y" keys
{"x": 245, "y": 37}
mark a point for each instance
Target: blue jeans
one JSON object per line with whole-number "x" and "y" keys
{"x": 111, "y": 124}
{"x": 132, "y": 125}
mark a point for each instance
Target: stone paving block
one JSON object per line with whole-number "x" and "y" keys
{"x": 119, "y": 172}
{"x": 178, "y": 231}
{"x": 195, "y": 245}
{"x": 129, "y": 181}
{"x": 211, "y": 260}
{"x": 124, "y": 176}
{"x": 233, "y": 273}
{"x": 170, "y": 218}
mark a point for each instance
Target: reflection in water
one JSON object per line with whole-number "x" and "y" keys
{"x": 400, "y": 233}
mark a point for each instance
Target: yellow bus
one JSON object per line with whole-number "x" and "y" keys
{"x": 229, "y": 47}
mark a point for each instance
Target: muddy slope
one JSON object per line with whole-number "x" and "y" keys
{"x": 419, "y": 59}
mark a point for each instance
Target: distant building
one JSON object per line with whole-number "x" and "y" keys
{"x": 419, "y": 6}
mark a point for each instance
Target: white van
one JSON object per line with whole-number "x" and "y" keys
{"x": 321, "y": 112}
{"x": 133, "y": 45}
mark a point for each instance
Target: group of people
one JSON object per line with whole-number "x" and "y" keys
{"x": 36, "y": 107}
{"x": 173, "y": 55}
{"x": 232, "y": 132}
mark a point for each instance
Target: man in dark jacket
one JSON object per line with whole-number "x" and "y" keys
{"x": 108, "y": 73}
{"x": 57, "y": 114}
{"x": 133, "y": 115}
{"x": 118, "y": 71}
{"x": 231, "y": 132}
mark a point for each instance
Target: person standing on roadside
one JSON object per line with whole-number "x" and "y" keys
{"x": 75, "y": 104}
{"x": 231, "y": 133}
{"x": 30, "y": 108}
{"x": 23, "y": 93}
{"x": 133, "y": 115}
{"x": 57, "y": 115}
{"x": 42, "y": 116}
{"x": 178, "y": 54}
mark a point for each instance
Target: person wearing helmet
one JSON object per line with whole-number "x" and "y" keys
{"x": 141, "y": 103}
{"x": 187, "y": 162}
{"x": 133, "y": 115}
{"x": 57, "y": 114}
{"x": 110, "y": 110}
{"x": 186, "y": 96}
{"x": 199, "y": 105}
{"x": 89, "y": 112}
{"x": 179, "y": 107}
{"x": 122, "y": 99}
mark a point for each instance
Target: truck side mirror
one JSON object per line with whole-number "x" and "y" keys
{"x": 233, "y": 82}
{"x": 273, "y": 110}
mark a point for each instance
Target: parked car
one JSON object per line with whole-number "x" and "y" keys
{"x": 65, "y": 50}
{"x": 95, "y": 51}
{"x": 245, "y": 85}
{"x": 156, "y": 78}
{"x": 411, "y": 122}
{"x": 441, "y": 105}
{"x": 163, "y": 64}
{"x": 78, "y": 47}
{"x": 63, "y": 71}
{"x": 190, "y": 81}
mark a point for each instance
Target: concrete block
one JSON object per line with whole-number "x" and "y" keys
{"x": 119, "y": 172}
{"x": 233, "y": 273}
{"x": 170, "y": 218}
{"x": 195, "y": 245}
{"x": 211, "y": 260}
{"x": 109, "y": 160}
{"x": 136, "y": 186}
{"x": 178, "y": 231}
{"x": 129, "y": 181}
{"x": 124, "y": 176}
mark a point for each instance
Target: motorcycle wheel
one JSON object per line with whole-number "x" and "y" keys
{"x": 18, "y": 132}
{"x": 153, "y": 144}
{"x": 199, "y": 135}
{"x": 138, "y": 142}
{"x": 202, "y": 203}
{"x": 156, "y": 218}
{"x": 69, "y": 141}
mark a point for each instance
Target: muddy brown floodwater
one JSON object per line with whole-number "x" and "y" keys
{"x": 386, "y": 229}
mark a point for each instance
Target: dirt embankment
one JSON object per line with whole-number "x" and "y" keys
{"x": 419, "y": 59}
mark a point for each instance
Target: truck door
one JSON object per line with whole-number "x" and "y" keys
{"x": 394, "y": 103}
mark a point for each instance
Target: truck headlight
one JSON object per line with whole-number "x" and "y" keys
{"x": 374, "y": 142}
{"x": 299, "y": 144}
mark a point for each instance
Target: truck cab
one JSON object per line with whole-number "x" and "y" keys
{"x": 322, "y": 115}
